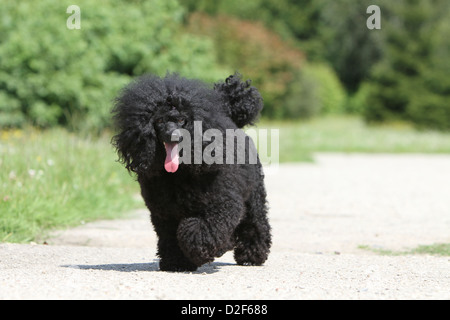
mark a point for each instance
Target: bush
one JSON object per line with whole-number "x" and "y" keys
{"x": 411, "y": 82}
{"x": 50, "y": 75}
{"x": 256, "y": 52}
{"x": 430, "y": 111}
{"x": 291, "y": 19}
{"x": 357, "y": 102}
{"x": 316, "y": 90}
{"x": 350, "y": 47}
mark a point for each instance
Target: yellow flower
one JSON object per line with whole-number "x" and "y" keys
{"x": 17, "y": 133}
{"x": 4, "y": 135}
{"x": 8, "y": 134}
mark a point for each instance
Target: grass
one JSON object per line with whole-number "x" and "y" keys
{"x": 299, "y": 140}
{"x": 54, "y": 179}
{"x": 440, "y": 249}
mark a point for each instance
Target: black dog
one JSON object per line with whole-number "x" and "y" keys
{"x": 200, "y": 209}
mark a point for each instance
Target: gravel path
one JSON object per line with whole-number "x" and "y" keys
{"x": 321, "y": 213}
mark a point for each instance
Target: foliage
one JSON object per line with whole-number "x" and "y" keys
{"x": 411, "y": 82}
{"x": 398, "y": 72}
{"x": 333, "y": 31}
{"x": 350, "y": 47}
{"x": 290, "y": 86}
{"x": 316, "y": 90}
{"x": 256, "y": 52}
{"x": 291, "y": 19}
{"x": 50, "y": 75}
{"x": 358, "y": 101}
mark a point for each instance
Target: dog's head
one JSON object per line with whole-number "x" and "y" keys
{"x": 154, "y": 116}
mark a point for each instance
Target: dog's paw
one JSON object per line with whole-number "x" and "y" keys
{"x": 176, "y": 266}
{"x": 250, "y": 256}
{"x": 196, "y": 241}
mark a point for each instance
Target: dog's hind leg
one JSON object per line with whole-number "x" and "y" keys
{"x": 252, "y": 236}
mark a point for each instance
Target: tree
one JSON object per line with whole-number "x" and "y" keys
{"x": 411, "y": 82}
{"x": 350, "y": 47}
{"x": 52, "y": 75}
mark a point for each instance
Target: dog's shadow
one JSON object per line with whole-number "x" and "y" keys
{"x": 145, "y": 267}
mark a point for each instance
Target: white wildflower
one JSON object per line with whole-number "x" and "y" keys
{"x": 12, "y": 175}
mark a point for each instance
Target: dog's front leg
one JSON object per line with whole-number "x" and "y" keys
{"x": 171, "y": 256}
{"x": 209, "y": 235}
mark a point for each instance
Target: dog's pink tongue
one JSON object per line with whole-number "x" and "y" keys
{"x": 172, "y": 162}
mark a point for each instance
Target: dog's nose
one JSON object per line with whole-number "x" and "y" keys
{"x": 175, "y": 136}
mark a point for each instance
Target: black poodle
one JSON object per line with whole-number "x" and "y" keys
{"x": 204, "y": 196}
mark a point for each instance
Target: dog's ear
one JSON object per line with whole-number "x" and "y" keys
{"x": 243, "y": 102}
{"x": 133, "y": 121}
{"x": 135, "y": 151}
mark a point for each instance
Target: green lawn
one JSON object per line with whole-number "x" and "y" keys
{"x": 299, "y": 140}
{"x": 439, "y": 249}
{"x": 53, "y": 178}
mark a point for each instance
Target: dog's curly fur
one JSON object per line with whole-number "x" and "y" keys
{"x": 202, "y": 210}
